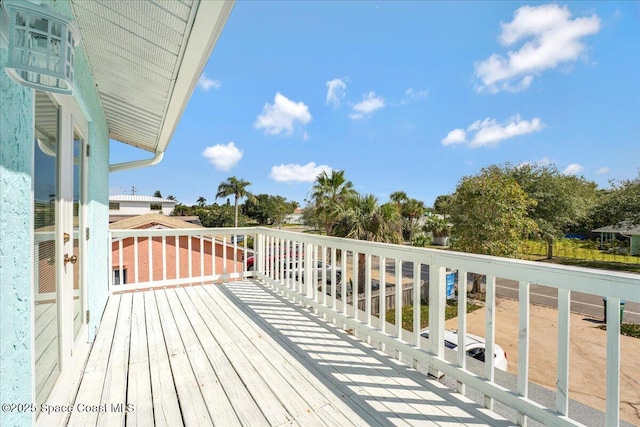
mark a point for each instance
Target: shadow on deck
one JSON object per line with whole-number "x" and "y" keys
{"x": 239, "y": 354}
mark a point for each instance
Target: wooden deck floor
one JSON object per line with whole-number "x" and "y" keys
{"x": 238, "y": 354}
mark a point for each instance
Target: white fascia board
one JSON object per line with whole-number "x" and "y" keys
{"x": 202, "y": 39}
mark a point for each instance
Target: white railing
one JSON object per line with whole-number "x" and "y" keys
{"x": 288, "y": 262}
{"x": 150, "y": 258}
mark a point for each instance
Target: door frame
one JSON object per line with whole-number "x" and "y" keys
{"x": 73, "y": 350}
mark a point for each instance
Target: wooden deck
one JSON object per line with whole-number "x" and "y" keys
{"x": 238, "y": 354}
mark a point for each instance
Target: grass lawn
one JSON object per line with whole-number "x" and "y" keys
{"x": 450, "y": 312}
{"x": 585, "y": 250}
{"x": 628, "y": 329}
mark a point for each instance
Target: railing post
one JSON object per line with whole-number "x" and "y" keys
{"x": 562, "y": 392}
{"x": 367, "y": 290}
{"x": 398, "y": 302}
{"x": 382, "y": 294}
{"x": 308, "y": 276}
{"x": 437, "y": 302}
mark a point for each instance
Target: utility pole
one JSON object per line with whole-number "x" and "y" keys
{"x": 133, "y": 190}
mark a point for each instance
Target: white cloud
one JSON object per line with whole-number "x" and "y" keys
{"x": 206, "y": 83}
{"x": 456, "y": 136}
{"x": 573, "y": 169}
{"x": 370, "y": 103}
{"x": 336, "y": 91}
{"x": 282, "y": 116}
{"x": 603, "y": 170}
{"x": 550, "y": 38}
{"x": 414, "y": 95}
{"x": 223, "y": 157}
{"x": 489, "y": 132}
{"x": 297, "y": 173}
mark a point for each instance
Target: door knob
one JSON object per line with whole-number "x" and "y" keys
{"x": 70, "y": 259}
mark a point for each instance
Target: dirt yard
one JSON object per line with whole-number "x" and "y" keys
{"x": 587, "y": 370}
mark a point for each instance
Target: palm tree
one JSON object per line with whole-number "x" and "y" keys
{"x": 399, "y": 198}
{"x": 330, "y": 193}
{"x": 413, "y": 209}
{"x": 365, "y": 219}
{"x": 237, "y": 188}
{"x": 202, "y": 202}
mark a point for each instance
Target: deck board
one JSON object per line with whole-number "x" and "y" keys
{"x": 238, "y": 354}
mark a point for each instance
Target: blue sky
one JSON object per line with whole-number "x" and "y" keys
{"x": 405, "y": 96}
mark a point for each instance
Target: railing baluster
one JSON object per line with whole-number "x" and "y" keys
{"x": 177, "y": 242}
{"x": 382, "y": 295}
{"x": 523, "y": 345}
{"x": 189, "y": 256}
{"x": 356, "y": 285}
{"x": 323, "y": 273}
{"x": 164, "y": 257}
{"x": 202, "y": 255}
{"x": 150, "y": 254}
{"x": 214, "y": 256}
{"x": 398, "y": 302}
{"x": 461, "y": 356}
{"x": 490, "y": 329}
{"x": 224, "y": 254}
{"x": 562, "y": 390}
{"x": 613, "y": 362}
{"x": 367, "y": 290}
{"x": 120, "y": 260}
{"x": 334, "y": 278}
{"x": 437, "y": 303}
{"x": 136, "y": 261}
{"x": 416, "y": 303}
{"x": 345, "y": 278}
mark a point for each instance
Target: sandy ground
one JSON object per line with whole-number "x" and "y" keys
{"x": 587, "y": 370}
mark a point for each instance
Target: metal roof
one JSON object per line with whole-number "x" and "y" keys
{"x": 146, "y": 58}
{"x": 624, "y": 227}
{"x": 136, "y": 198}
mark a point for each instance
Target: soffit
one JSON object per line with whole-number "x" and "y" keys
{"x": 146, "y": 58}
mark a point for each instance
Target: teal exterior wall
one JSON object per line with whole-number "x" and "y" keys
{"x": 16, "y": 256}
{"x": 16, "y": 212}
{"x": 635, "y": 245}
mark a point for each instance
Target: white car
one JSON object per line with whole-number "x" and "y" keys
{"x": 475, "y": 347}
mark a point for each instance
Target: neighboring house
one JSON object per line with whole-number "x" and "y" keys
{"x": 622, "y": 230}
{"x": 173, "y": 271}
{"x": 134, "y": 68}
{"x": 295, "y": 217}
{"x": 140, "y": 205}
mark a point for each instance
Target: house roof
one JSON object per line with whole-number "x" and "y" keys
{"x": 141, "y": 221}
{"x": 146, "y": 59}
{"x": 136, "y": 198}
{"x": 624, "y": 227}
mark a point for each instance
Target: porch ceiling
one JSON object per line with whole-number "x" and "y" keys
{"x": 146, "y": 58}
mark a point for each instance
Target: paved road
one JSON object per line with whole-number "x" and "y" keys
{"x": 587, "y": 304}
{"x": 590, "y": 305}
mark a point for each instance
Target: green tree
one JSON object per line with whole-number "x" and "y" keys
{"x": 330, "y": 193}
{"x": 172, "y": 197}
{"x": 266, "y": 209}
{"x": 489, "y": 213}
{"x": 157, "y": 194}
{"x": 441, "y": 204}
{"x": 439, "y": 227}
{"x": 363, "y": 218}
{"x": 620, "y": 203}
{"x": 562, "y": 202}
{"x": 202, "y": 202}
{"x": 234, "y": 187}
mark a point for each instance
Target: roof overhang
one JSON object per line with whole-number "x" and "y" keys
{"x": 146, "y": 59}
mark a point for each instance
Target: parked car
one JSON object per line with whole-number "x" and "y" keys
{"x": 475, "y": 347}
{"x": 327, "y": 272}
